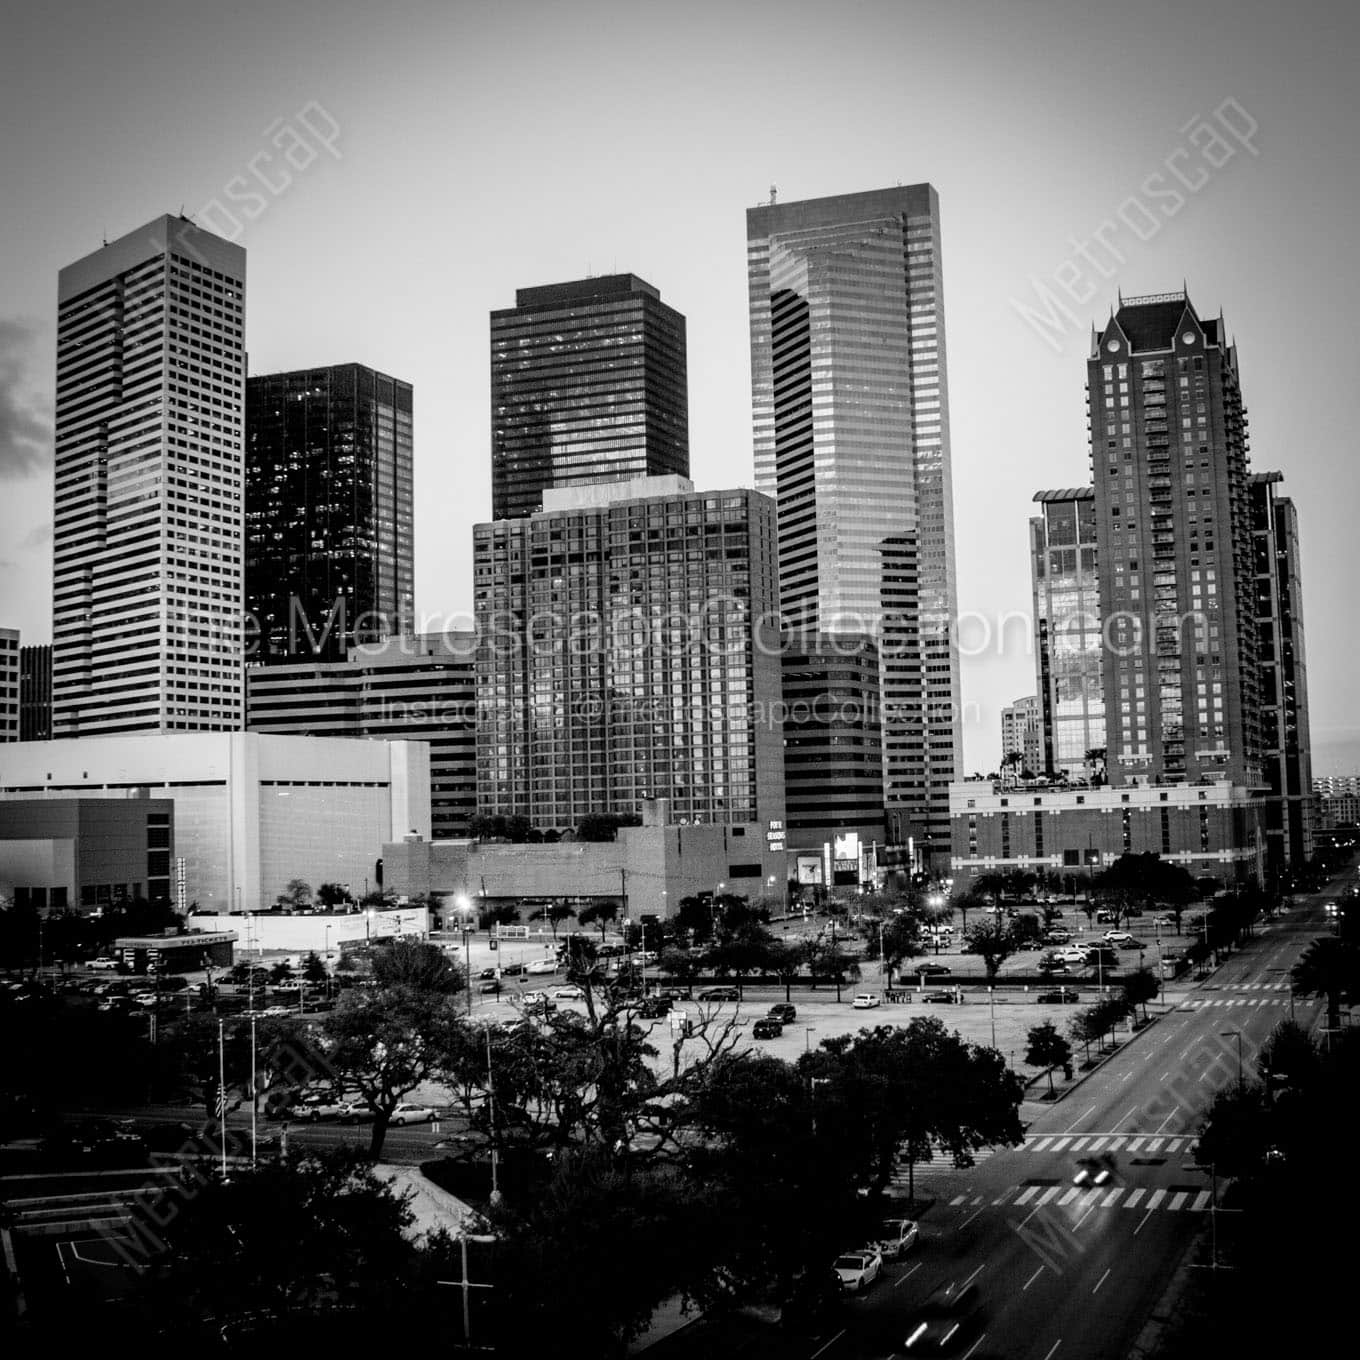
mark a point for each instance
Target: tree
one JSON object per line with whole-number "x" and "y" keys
{"x": 334, "y": 895}
{"x": 554, "y": 913}
{"x": 1134, "y": 882}
{"x": 681, "y": 965}
{"x": 298, "y": 893}
{"x": 1047, "y": 1049}
{"x": 502, "y": 914}
{"x": 281, "y": 972}
{"x": 1236, "y": 1131}
{"x": 901, "y": 940}
{"x": 994, "y": 941}
{"x": 313, "y": 969}
{"x": 603, "y": 912}
{"x": 1086, "y": 1028}
{"x": 1329, "y": 968}
{"x": 385, "y": 1042}
{"x": 1141, "y": 987}
{"x": 604, "y": 826}
{"x": 417, "y": 964}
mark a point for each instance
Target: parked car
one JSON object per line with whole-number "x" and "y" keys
{"x": 653, "y": 1008}
{"x": 541, "y": 966}
{"x": 938, "y": 997}
{"x": 899, "y": 1236}
{"x": 718, "y": 994}
{"x": 766, "y": 1029}
{"x": 487, "y": 975}
{"x": 314, "y": 1108}
{"x": 512, "y": 970}
{"x": 782, "y": 1011}
{"x": 569, "y": 993}
{"x": 407, "y": 1113}
{"x": 857, "y": 1270}
{"x": 866, "y": 1001}
{"x": 1059, "y": 936}
{"x": 537, "y": 1003}
{"x": 1061, "y": 997}
{"x": 1053, "y": 968}
{"x": 1118, "y": 936}
{"x": 103, "y": 965}
{"x": 1072, "y": 954}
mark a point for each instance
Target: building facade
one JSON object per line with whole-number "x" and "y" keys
{"x": 150, "y": 398}
{"x": 1338, "y": 801}
{"x": 35, "y": 693}
{"x": 416, "y": 688}
{"x": 9, "y": 684}
{"x": 1286, "y": 747}
{"x": 1022, "y": 735}
{"x": 69, "y": 854}
{"x": 851, "y": 439}
{"x": 1175, "y": 557}
{"x": 833, "y": 739}
{"x": 251, "y": 811}
{"x": 330, "y": 536}
{"x": 628, "y": 650}
{"x": 1068, "y": 641}
{"x": 588, "y": 384}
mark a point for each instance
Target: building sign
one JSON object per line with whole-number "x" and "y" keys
{"x": 845, "y": 858}
{"x": 809, "y": 870}
{"x": 179, "y": 885}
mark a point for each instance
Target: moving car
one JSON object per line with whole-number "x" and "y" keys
{"x": 718, "y": 994}
{"x": 939, "y": 997}
{"x": 865, "y": 1001}
{"x": 947, "y": 1321}
{"x": 407, "y": 1113}
{"x": 489, "y": 988}
{"x": 1061, "y": 997}
{"x": 569, "y": 993}
{"x": 1118, "y": 936}
{"x": 541, "y": 966}
{"x": 766, "y": 1029}
{"x": 899, "y": 1236}
{"x": 782, "y": 1011}
{"x": 1054, "y": 967}
{"x": 857, "y": 1269}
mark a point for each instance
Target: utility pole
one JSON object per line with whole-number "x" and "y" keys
{"x": 254, "y": 1101}
{"x": 491, "y": 1110}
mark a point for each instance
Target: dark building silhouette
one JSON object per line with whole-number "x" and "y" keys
{"x": 35, "y": 693}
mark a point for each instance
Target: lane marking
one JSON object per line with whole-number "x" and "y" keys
{"x": 1060, "y": 1144}
{"x": 828, "y": 1345}
{"x": 1026, "y": 1195}
{"x": 975, "y": 1274}
{"x": 1134, "y": 1197}
{"x": 1155, "y": 1198}
{"x": 1177, "y": 1201}
{"x": 970, "y": 1218}
{"x": 1112, "y": 1197}
{"x": 1083, "y": 1218}
{"x": 1098, "y": 1143}
{"x": 1139, "y": 1228}
{"x": 1101, "y": 1281}
{"x": 1165, "y": 1122}
{"x": 1056, "y": 1344}
{"x": 1042, "y": 1144}
{"x": 1201, "y": 1201}
{"x": 1071, "y": 1194}
{"x": 1079, "y": 1118}
{"x": 907, "y": 1275}
{"x": 974, "y": 1346}
{"x": 1078, "y": 1144}
{"x": 1031, "y": 1279}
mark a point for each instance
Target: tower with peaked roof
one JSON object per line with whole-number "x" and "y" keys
{"x": 1169, "y": 465}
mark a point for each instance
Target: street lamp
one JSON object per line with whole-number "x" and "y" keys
{"x": 464, "y": 908}
{"x": 808, "y": 1032}
{"x": 991, "y": 1005}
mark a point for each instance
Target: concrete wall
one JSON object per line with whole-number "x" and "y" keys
{"x": 257, "y": 933}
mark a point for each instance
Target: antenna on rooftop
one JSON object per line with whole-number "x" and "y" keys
{"x": 774, "y": 193}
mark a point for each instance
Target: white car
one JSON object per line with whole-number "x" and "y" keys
{"x": 857, "y": 1269}
{"x": 104, "y": 965}
{"x": 900, "y": 1235}
{"x": 314, "y": 1108}
{"x": 1071, "y": 955}
{"x": 569, "y": 993}
{"x": 1118, "y": 936}
{"x": 865, "y": 1001}
{"x": 413, "y": 1114}
{"x": 541, "y": 966}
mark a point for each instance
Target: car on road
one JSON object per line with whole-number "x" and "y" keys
{"x": 857, "y": 1270}
{"x": 491, "y": 987}
{"x": 865, "y": 1001}
{"x": 103, "y": 965}
{"x": 718, "y": 994}
{"x": 1072, "y": 954}
{"x": 1061, "y": 997}
{"x": 537, "y": 1002}
{"x": 314, "y": 1108}
{"x": 1052, "y": 968}
{"x": 1118, "y": 936}
{"x": 938, "y": 997}
{"x": 653, "y": 1008}
{"x": 569, "y": 993}
{"x": 782, "y": 1011}
{"x": 766, "y": 1029}
{"x": 947, "y": 1321}
{"x": 898, "y": 1236}
{"x": 487, "y": 975}
{"x": 931, "y": 969}
{"x": 407, "y": 1113}
{"x": 539, "y": 967}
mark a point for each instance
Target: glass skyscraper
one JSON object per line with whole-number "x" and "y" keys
{"x": 146, "y": 563}
{"x": 587, "y": 385}
{"x": 1067, "y": 642}
{"x": 330, "y": 539}
{"x": 851, "y": 433}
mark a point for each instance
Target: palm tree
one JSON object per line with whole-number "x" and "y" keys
{"x": 1331, "y": 968}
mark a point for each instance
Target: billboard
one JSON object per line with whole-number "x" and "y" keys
{"x": 809, "y": 870}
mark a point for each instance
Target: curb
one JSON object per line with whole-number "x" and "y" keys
{"x": 1091, "y": 1071}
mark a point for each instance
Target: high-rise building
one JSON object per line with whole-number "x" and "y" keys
{"x": 150, "y": 397}
{"x": 833, "y": 739}
{"x": 1022, "y": 735}
{"x": 412, "y": 688}
{"x": 9, "y": 684}
{"x": 330, "y": 538}
{"x": 1338, "y": 800}
{"x": 851, "y": 433}
{"x": 1286, "y": 748}
{"x": 35, "y": 693}
{"x": 1069, "y": 664}
{"x": 622, "y": 658}
{"x": 588, "y": 384}
{"x": 1175, "y": 557}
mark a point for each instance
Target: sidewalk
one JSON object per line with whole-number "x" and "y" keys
{"x": 433, "y": 1207}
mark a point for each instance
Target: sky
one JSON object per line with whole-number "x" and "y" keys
{"x": 443, "y": 155}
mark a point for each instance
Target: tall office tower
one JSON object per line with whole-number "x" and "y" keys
{"x": 1067, "y": 635}
{"x": 35, "y": 693}
{"x": 1022, "y": 734}
{"x": 146, "y": 600}
{"x": 587, "y": 385}
{"x": 851, "y": 432}
{"x": 1286, "y": 749}
{"x": 330, "y": 537}
{"x": 621, "y": 656}
{"x": 833, "y": 740}
{"x": 420, "y": 687}
{"x": 9, "y": 684}
{"x": 1173, "y": 524}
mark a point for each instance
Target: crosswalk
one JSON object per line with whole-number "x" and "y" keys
{"x": 1171, "y": 1200}
{"x": 1202, "y": 1003}
{"x": 1147, "y": 1144}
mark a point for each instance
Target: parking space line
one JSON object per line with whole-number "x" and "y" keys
{"x": 1031, "y": 1279}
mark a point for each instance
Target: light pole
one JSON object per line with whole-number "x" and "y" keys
{"x": 368, "y": 926}
{"x": 464, "y": 907}
{"x": 1235, "y": 1034}
{"x": 991, "y": 1005}
{"x": 808, "y": 1032}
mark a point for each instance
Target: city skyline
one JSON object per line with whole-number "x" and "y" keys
{"x": 1238, "y": 209}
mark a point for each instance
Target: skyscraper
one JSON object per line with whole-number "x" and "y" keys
{"x": 146, "y": 608}
{"x": 9, "y": 684}
{"x": 1286, "y": 749}
{"x": 851, "y": 433}
{"x": 1173, "y": 525}
{"x": 587, "y": 385}
{"x": 330, "y": 538}
{"x": 1022, "y": 735}
{"x": 621, "y": 659}
{"x": 1069, "y": 664}
{"x": 35, "y": 693}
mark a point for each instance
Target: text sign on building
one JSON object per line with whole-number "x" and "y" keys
{"x": 180, "y": 884}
